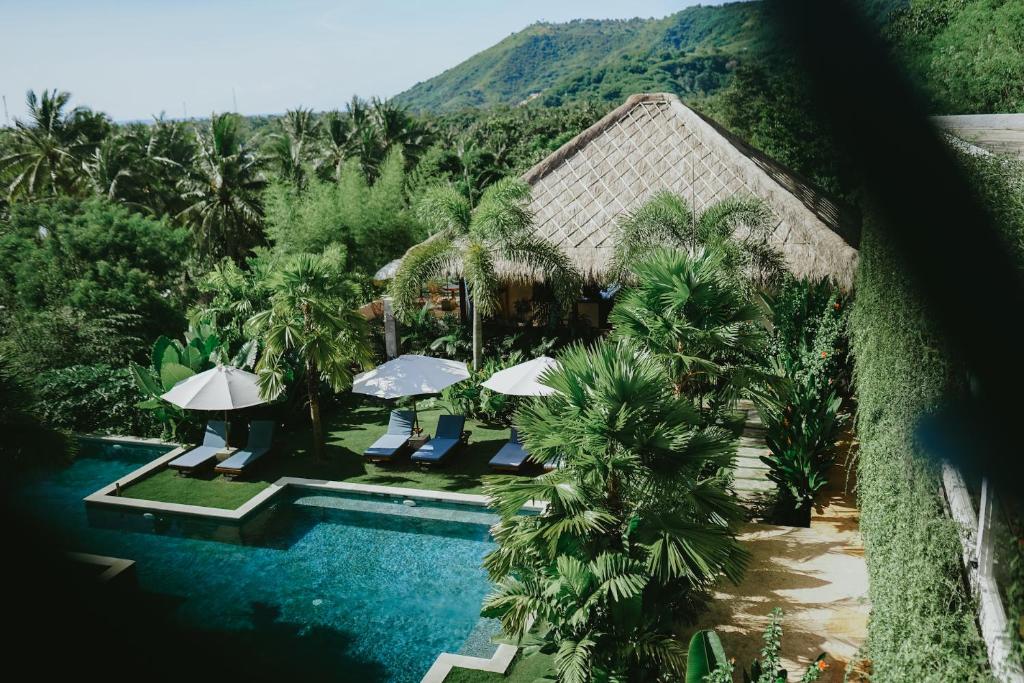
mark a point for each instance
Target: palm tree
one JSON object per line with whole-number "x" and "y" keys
{"x": 311, "y": 318}
{"x": 737, "y": 226}
{"x": 335, "y": 145}
{"x": 634, "y": 533}
{"x": 143, "y": 166}
{"x": 50, "y": 149}
{"x": 395, "y": 127}
{"x": 292, "y": 148}
{"x": 471, "y": 241}
{"x": 688, "y": 311}
{"x": 225, "y": 210}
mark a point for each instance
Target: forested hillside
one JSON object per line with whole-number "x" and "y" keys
{"x": 690, "y": 53}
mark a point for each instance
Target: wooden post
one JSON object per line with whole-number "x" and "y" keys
{"x": 976, "y": 543}
{"x": 390, "y": 329}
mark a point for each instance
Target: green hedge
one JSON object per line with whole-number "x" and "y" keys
{"x": 922, "y": 623}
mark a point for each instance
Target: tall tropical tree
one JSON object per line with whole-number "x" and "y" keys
{"x": 292, "y": 148}
{"x": 396, "y": 127}
{"x": 334, "y": 148}
{"x": 635, "y": 532}
{"x": 471, "y": 241}
{"x": 313, "y": 320}
{"x": 737, "y": 226}
{"x": 225, "y": 210}
{"x": 50, "y": 149}
{"x": 692, "y": 314}
{"x": 143, "y": 165}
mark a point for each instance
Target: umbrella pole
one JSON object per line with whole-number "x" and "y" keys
{"x": 415, "y": 418}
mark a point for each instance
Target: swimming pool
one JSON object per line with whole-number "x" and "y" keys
{"x": 369, "y": 587}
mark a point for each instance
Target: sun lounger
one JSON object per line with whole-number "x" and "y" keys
{"x": 261, "y": 435}
{"x": 449, "y": 435}
{"x": 512, "y": 455}
{"x": 214, "y": 442}
{"x": 387, "y": 447}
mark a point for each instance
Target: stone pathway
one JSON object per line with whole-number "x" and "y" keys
{"x": 750, "y": 476}
{"x": 817, "y": 575}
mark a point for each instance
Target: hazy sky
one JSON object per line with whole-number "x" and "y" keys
{"x": 136, "y": 58}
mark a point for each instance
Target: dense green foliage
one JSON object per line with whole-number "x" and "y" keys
{"x": 28, "y": 441}
{"x": 373, "y": 223}
{"x": 968, "y": 54}
{"x": 801, "y": 411}
{"x": 93, "y": 399}
{"x": 85, "y": 282}
{"x": 691, "y": 53}
{"x": 635, "y": 532}
{"x": 691, "y": 312}
{"x": 922, "y": 621}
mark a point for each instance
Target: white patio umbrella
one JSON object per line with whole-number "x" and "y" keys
{"x": 523, "y": 379}
{"x": 219, "y": 388}
{"x": 410, "y": 375}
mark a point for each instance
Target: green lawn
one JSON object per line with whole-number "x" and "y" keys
{"x": 523, "y": 670}
{"x": 349, "y": 432}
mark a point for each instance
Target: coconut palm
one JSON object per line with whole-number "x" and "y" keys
{"x": 688, "y": 311}
{"x": 50, "y": 149}
{"x": 311, "y": 318}
{"x": 396, "y": 127}
{"x": 143, "y": 165}
{"x": 225, "y": 210}
{"x": 738, "y": 226}
{"x": 334, "y": 145}
{"x": 291, "y": 149}
{"x": 634, "y": 534}
{"x": 471, "y": 242}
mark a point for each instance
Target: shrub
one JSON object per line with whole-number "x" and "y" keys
{"x": 93, "y": 399}
{"x": 27, "y": 442}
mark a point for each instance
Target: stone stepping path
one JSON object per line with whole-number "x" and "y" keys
{"x": 750, "y": 475}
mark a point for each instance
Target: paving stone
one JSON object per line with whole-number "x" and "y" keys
{"x": 757, "y": 473}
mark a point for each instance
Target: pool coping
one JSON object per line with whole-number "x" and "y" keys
{"x": 115, "y": 566}
{"x": 445, "y": 662}
{"x": 107, "y": 495}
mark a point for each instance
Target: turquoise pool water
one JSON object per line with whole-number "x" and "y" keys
{"x": 366, "y": 588}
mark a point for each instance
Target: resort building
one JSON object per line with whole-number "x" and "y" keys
{"x": 653, "y": 143}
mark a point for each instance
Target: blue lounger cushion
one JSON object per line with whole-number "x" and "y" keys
{"x": 214, "y": 441}
{"x": 434, "y": 450}
{"x": 512, "y": 455}
{"x": 399, "y": 430}
{"x": 261, "y": 436}
{"x": 449, "y": 435}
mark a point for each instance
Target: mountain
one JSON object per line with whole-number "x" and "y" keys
{"x": 688, "y": 53}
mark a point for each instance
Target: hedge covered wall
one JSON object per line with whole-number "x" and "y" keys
{"x": 922, "y": 623}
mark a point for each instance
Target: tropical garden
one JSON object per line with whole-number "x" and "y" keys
{"x": 133, "y": 256}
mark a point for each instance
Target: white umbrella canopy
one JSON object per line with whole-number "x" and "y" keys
{"x": 219, "y": 388}
{"x": 523, "y": 379}
{"x": 410, "y": 375}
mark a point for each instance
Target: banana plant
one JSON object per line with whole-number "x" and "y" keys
{"x": 173, "y": 361}
{"x": 704, "y": 655}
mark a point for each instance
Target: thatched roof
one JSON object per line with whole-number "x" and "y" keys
{"x": 998, "y": 133}
{"x": 653, "y": 142}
